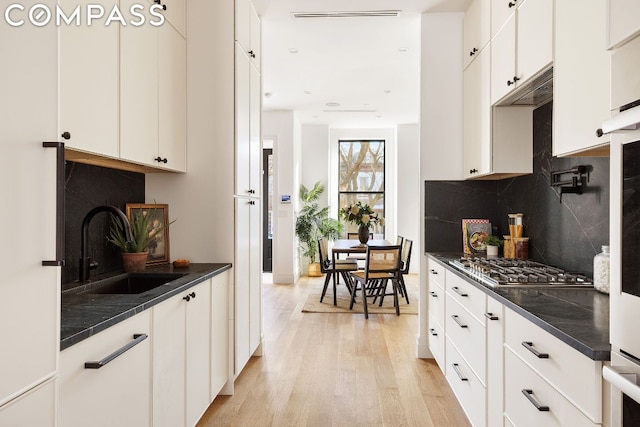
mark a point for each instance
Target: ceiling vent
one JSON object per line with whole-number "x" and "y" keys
{"x": 349, "y": 111}
{"x": 346, "y": 14}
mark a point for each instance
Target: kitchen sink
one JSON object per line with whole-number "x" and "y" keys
{"x": 132, "y": 283}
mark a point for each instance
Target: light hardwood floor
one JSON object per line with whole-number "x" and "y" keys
{"x": 321, "y": 369}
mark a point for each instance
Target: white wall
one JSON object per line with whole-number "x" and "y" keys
{"x": 314, "y": 158}
{"x": 408, "y": 185}
{"x": 279, "y": 126}
{"x": 440, "y": 125}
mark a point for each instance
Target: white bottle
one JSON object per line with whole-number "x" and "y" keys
{"x": 601, "y": 270}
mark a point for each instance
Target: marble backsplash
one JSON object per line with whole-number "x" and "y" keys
{"x": 566, "y": 234}
{"x": 87, "y": 187}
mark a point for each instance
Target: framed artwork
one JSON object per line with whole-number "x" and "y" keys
{"x": 158, "y": 229}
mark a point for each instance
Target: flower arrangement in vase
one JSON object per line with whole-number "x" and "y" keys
{"x": 363, "y": 216}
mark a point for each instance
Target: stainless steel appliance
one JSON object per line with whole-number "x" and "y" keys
{"x": 504, "y": 273}
{"x": 625, "y": 234}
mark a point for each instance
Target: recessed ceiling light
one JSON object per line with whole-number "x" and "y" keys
{"x": 307, "y": 92}
{"x": 267, "y": 94}
{"x": 293, "y": 50}
{"x": 387, "y": 91}
{"x": 403, "y": 49}
{"x": 332, "y": 104}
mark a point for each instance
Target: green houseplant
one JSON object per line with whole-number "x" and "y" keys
{"x": 312, "y": 223}
{"x": 493, "y": 243}
{"x": 134, "y": 251}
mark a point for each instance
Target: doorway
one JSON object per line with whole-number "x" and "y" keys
{"x": 267, "y": 210}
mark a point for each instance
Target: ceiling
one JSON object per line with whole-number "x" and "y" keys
{"x": 368, "y": 66}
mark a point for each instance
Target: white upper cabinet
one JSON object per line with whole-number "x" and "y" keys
{"x": 477, "y": 118}
{"x": 624, "y": 24}
{"x": 89, "y": 84}
{"x": 522, "y": 47}
{"x": 501, "y": 11}
{"x": 477, "y": 28}
{"x": 581, "y": 61}
{"x": 248, "y": 31}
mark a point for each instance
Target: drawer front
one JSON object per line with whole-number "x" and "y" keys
{"x": 436, "y": 296}
{"x": 470, "y": 297}
{"x": 468, "y": 335}
{"x": 576, "y": 376}
{"x": 467, "y": 387}
{"x": 436, "y": 272}
{"x": 531, "y": 401}
{"x": 495, "y": 362}
{"x": 437, "y": 342}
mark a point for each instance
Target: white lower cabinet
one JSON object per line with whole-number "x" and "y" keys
{"x": 495, "y": 362}
{"x": 531, "y": 401}
{"x": 219, "y": 333}
{"x": 114, "y": 392}
{"x": 37, "y": 407}
{"x": 437, "y": 342}
{"x": 181, "y": 357}
{"x": 469, "y": 390}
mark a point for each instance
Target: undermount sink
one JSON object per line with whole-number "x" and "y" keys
{"x": 132, "y": 283}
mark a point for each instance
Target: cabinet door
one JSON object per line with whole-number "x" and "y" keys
{"x": 29, "y": 292}
{"x": 169, "y": 362}
{"x": 242, "y": 283}
{"x": 119, "y": 393}
{"x": 255, "y": 282}
{"x": 477, "y": 117}
{"x": 139, "y": 93}
{"x": 623, "y": 21}
{"x": 34, "y": 408}
{"x": 198, "y": 344}
{"x": 219, "y": 332}
{"x": 535, "y": 37}
{"x": 243, "y": 123}
{"x": 503, "y": 60}
{"x": 243, "y": 24}
{"x": 256, "y": 39}
{"x": 175, "y": 14}
{"x": 495, "y": 362}
{"x": 255, "y": 137}
{"x": 476, "y": 29}
{"x": 89, "y": 102}
{"x": 580, "y": 61}
{"x": 172, "y": 99}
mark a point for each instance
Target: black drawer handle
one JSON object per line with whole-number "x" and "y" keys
{"x": 137, "y": 339}
{"x": 457, "y": 320}
{"x": 459, "y": 292}
{"x": 457, "y": 369}
{"x": 188, "y": 297}
{"x": 433, "y": 294}
{"x": 529, "y": 395}
{"x": 529, "y": 346}
{"x": 433, "y": 271}
{"x": 490, "y": 316}
{"x": 433, "y": 332}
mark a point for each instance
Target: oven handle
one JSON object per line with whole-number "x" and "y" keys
{"x": 623, "y": 380}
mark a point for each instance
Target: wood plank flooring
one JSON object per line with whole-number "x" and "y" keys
{"x": 321, "y": 369}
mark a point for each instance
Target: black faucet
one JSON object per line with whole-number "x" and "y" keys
{"x": 86, "y": 265}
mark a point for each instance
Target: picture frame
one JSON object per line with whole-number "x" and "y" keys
{"x": 159, "y": 248}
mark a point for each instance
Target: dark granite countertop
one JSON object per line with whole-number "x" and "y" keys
{"x": 85, "y": 314}
{"x": 578, "y": 317}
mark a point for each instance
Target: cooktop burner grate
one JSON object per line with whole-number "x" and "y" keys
{"x": 502, "y": 272}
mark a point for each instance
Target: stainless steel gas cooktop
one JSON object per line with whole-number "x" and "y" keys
{"x": 502, "y": 272}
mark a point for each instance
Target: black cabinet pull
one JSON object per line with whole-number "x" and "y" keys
{"x": 511, "y": 4}
{"x": 457, "y": 369}
{"x": 188, "y": 297}
{"x": 251, "y": 54}
{"x": 252, "y": 202}
{"x": 66, "y": 135}
{"x": 509, "y": 83}
{"x": 515, "y": 79}
{"x": 473, "y": 52}
{"x": 490, "y": 316}
{"x": 529, "y": 395}
{"x": 459, "y": 292}
{"x": 433, "y": 294}
{"x": 161, "y": 160}
{"x": 457, "y": 320}
{"x": 433, "y": 271}
{"x": 474, "y": 170}
{"x": 529, "y": 346}
{"x": 164, "y": 6}
{"x": 599, "y": 133}
{"x": 433, "y": 332}
{"x": 137, "y": 339}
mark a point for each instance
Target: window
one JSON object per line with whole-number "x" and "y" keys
{"x": 361, "y": 169}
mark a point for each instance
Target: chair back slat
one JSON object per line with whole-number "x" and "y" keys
{"x": 407, "y": 245}
{"x": 323, "y": 253}
{"x": 383, "y": 259}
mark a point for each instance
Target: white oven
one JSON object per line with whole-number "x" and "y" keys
{"x": 624, "y": 126}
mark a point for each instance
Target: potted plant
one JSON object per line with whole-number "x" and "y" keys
{"x": 363, "y": 216}
{"x": 493, "y": 243}
{"x": 134, "y": 251}
{"x": 312, "y": 223}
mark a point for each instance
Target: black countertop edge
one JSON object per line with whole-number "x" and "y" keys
{"x": 600, "y": 351}
{"x": 84, "y": 315}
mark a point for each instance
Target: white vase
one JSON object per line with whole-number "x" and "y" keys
{"x": 492, "y": 250}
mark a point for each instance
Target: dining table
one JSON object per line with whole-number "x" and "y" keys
{"x": 353, "y": 246}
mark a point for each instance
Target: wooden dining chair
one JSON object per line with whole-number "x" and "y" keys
{"x": 382, "y": 265}
{"x": 332, "y": 268}
{"x": 405, "y": 260}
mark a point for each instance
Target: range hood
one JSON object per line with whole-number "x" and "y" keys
{"x": 536, "y": 91}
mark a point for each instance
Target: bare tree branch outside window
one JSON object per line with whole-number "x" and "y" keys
{"x": 361, "y": 170}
